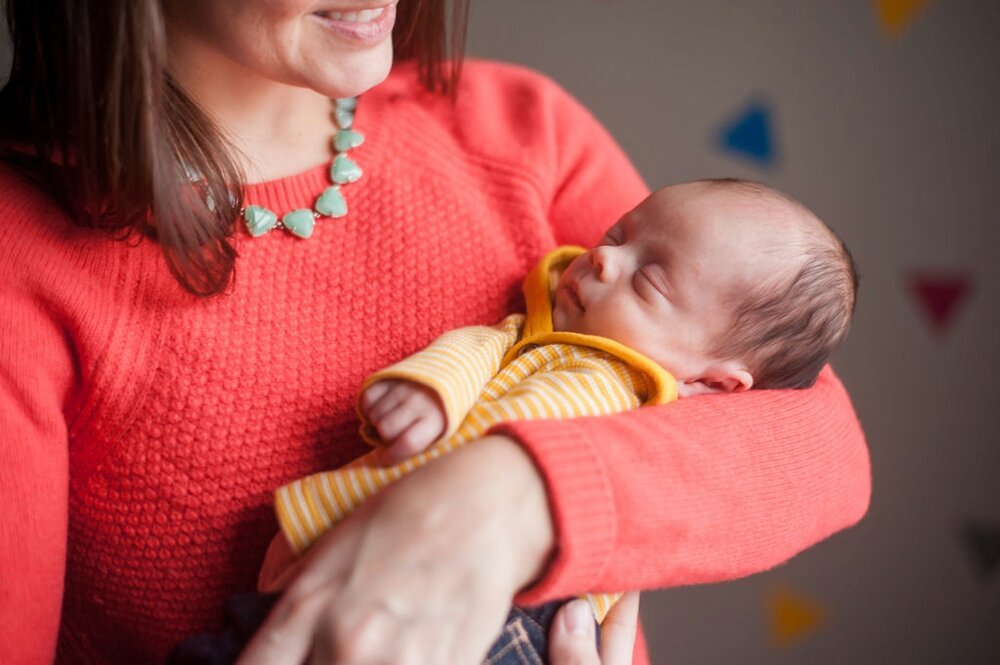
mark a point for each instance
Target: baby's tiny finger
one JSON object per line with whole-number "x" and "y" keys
{"x": 374, "y": 393}
{"x": 394, "y": 423}
{"x": 414, "y": 440}
{"x": 390, "y": 400}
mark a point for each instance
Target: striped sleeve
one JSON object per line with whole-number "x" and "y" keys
{"x": 550, "y": 381}
{"x": 456, "y": 366}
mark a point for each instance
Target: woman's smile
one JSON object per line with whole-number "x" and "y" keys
{"x": 364, "y": 26}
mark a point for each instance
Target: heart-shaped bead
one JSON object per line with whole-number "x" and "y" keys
{"x": 344, "y": 118}
{"x": 300, "y": 222}
{"x": 331, "y": 203}
{"x": 259, "y": 220}
{"x": 346, "y": 103}
{"x": 344, "y": 170}
{"x": 345, "y": 139}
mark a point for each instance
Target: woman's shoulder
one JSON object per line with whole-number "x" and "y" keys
{"x": 38, "y": 236}
{"x": 21, "y": 196}
{"x": 480, "y": 80}
{"x": 493, "y": 79}
{"x": 28, "y": 216}
{"x": 501, "y": 110}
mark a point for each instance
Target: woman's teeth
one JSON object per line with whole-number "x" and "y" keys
{"x": 363, "y": 16}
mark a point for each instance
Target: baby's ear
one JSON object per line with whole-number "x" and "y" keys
{"x": 728, "y": 376}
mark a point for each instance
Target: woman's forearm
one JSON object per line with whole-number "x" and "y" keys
{"x": 706, "y": 489}
{"x": 426, "y": 568}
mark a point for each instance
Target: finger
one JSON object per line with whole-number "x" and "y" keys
{"x": 618, "y": 631}
{"x": 416, "y": 405}
{"x": 392, "y": 425}
{"x": 387, "y": 403}
{"x": 361, "y": 642}
{"x": 572, "y": 638}
{"x": 278, "y": 558}
{"x": 285, "y": 637}
{"x": 279, "y": 581}
{"x": 416, "y": 439}
{"x": 374, "y": 393}
{"x": 292, "y": 567}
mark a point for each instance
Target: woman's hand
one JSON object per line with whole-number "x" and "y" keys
{"x": 571, "y": 638}
{"x": 423, "y": 572}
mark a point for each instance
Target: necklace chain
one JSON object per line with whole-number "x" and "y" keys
{"x": 260, "y": 220}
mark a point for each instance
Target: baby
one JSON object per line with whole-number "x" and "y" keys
{"x": 709, "y": 286}
{"x": 726, "y": 284}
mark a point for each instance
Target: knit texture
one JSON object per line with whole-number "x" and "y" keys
{"x": 143, "y": 431}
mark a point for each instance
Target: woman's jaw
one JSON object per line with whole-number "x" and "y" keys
{"x": 337, "y": 48}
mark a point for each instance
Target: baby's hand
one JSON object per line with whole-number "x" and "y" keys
{"x": 407, "y": 415}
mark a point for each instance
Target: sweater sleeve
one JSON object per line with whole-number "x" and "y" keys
{"x": 705, "y": 489}
{"x": 35, "y": 374}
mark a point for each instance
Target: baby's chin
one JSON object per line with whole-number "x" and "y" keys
{"x": 560, "y": 320}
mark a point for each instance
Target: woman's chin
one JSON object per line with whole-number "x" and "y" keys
{"x": 355, "y": 73}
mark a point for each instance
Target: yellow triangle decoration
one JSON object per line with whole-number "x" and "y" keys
{"x": 793, "y": 616}
{"x": 895, "y": 15}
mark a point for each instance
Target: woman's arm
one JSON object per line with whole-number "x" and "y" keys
{"x": 424, "y": 572}
{"x": 34, "y": 375}
{"x": 705, "y": 489}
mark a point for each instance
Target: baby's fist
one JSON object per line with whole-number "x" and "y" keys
{"x": 408, "y": 417}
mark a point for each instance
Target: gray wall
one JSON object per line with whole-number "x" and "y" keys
{"x": 894, "y": 140}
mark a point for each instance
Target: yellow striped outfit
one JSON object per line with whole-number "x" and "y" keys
{"x": 519, "y": 369}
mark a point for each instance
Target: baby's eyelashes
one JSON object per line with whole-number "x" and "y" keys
{"x": 613, "y": 236}
{"x": 642, "y": 286}
{"x": 652, "y": 278}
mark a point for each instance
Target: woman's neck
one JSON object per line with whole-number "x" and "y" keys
{"x": 279, "y": 129}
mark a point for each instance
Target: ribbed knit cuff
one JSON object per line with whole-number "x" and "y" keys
{"x": 581, "y": 500}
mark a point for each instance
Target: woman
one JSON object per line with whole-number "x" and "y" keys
{"x": 155, "y": 391}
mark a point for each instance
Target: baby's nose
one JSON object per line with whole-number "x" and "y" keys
{"x": 604, "y": 262}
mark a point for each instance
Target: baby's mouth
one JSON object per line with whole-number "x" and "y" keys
{"x": 574, "y": 296}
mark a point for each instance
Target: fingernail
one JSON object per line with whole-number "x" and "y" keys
{"x": 579, "y": 618}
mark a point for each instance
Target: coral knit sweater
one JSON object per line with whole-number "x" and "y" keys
{"x": 143, "y": 431}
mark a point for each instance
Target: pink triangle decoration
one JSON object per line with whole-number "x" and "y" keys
{"x": 939, "y": 295}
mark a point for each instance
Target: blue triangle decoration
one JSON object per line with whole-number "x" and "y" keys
{"x": 750, "y": 135}
{"x": 982, "y": 541}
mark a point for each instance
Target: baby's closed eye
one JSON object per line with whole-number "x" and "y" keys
{"x": 649, "y": 282}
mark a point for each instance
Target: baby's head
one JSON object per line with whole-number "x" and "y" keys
{"x": 727, "y": 284}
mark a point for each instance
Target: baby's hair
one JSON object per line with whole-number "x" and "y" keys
{"x": 788, "y": 327}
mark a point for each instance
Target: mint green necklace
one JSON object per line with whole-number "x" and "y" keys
{"x": 331, "y": 203}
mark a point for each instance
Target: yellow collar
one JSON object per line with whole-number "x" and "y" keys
{"x": 539, "y": 286}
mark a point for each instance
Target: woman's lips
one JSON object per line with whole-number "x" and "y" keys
{"x": 363, "y": 26}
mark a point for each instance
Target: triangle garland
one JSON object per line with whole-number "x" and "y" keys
{"x": 939, "y": 295}
{"x": 895, "y": 16}
{"x": 750, "y": 135}
{"x": 982, "y": 542}
{"x": 792, "y": 617}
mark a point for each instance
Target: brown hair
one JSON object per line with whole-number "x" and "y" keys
{"x": 91, "y": 115}
{"x": 788, "y": 327}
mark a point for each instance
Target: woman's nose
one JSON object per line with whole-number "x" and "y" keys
{"x": 604, "y": 262}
